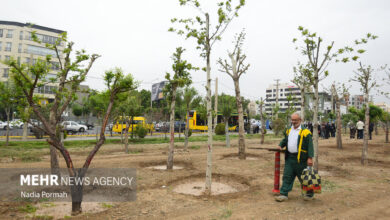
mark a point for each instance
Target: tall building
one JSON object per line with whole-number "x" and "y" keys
{"x": 384, "y": 106}
{"x": 280, "y": 93}
{"x": 16, "y": 42}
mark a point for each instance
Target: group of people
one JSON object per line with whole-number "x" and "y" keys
{"x": 359, "y": 129}
{"x": 325, "y": 130}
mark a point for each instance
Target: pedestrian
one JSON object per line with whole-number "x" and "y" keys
{"x": 333, "y": 129}
{"x": 371, "y": 129}
{"x": 310, "y": 126}
{"x": 327, "y": 130}
{"x": 360, "y": 127}
{"x": 352, "y": 130}
{"x": 298, "y": 155}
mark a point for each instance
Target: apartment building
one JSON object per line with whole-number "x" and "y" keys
{"x": 279, "y": 93}
{"x": 16, "y": 42}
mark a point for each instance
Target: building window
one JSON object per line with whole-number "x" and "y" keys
{"x": 7, "y": 58}
{"x": 6, "y": 73}
{"x": 20, "y": 48}
{"x": 0, "y": 45}
{"x": 21, "y": 35}
{"x": 8, "y": 46}
{"x": 19, "y": 61}
{"x": 1, "y": 32}
{"x": 40, "y": 50}
{"x": 27, "y": 60}
{"x": 10, "y": 33}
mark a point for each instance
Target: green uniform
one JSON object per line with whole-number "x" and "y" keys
{"x": 295, "y": 163}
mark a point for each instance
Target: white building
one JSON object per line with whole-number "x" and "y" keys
{"x": 16, "y": 42}
{"x": 280, "y": 93}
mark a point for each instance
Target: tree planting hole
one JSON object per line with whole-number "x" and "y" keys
{"x": 221, "y": 184}
{"x": 164, "y": 167}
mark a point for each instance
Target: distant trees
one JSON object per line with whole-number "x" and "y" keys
{"x": 226, "y": 104}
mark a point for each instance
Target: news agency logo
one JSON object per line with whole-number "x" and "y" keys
{"x": 94, "y": 185}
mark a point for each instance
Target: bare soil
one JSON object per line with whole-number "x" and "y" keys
{"x": 350, "y": 190}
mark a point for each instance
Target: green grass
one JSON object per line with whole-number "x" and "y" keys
{"x": 42, "y": 217}
{"x": 226, "y": 213}
{"x": 195, "y": 147}
{"x": 28, "y": 208}
{"x": 32, "y": 151}
{"x": 107, "y": 206}
{"x": 329, "y": 186}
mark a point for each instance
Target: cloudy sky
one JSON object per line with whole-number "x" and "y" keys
{"x": 133, "y": 35}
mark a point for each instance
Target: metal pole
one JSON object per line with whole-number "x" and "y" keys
{"x": 277, "y": 173}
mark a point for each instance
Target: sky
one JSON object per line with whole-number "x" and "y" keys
{"x": 133, "y": 35}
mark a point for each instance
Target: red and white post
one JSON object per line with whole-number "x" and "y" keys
{"x": 277, "y": 173}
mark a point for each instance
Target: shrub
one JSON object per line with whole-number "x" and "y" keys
{"x": 220, "y": 129}
{"x": 189, "y": 132}
{"x": 278, "y": 125}
{"x": 141, "y": 131}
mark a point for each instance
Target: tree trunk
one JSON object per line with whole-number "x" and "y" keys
{"x": 76, "y": 192}
{"x": 376, "y": 128}
{"x": 132, "y": 127}
{"x": 303, "y": 104}
{"x": 179, "y": 129}
{"x": 122, "y": 141}
{"x": 54, "y": 164}
{"x": 209, "y": 115}
{"x": 216, "y": 105}
{"x": 366, "y": 135}
{"x": 127, "y": 137}
{"x": 262, "y": 122}
{"x": 315, "y": 122}
{"x": 227, "y": 132}
{"x": 172, "y": 130}
{"x": 25, "y": 126}
{"x": 241, "y": 131}
{"x": 339, "y": 137}
{"x": 187, "y": 130}
{"x": 387, "y": 132}
{"x": 7, "y": 133}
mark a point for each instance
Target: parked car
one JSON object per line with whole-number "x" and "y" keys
{"x": 178, "y": 125}
{"x": 3, "y": 125}
{"x": 17, "y": 123}
{"x": 73, "y": 127}
{"x": 89, "y": 125}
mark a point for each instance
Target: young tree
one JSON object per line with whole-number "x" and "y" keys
{"x": 318, "y": 61}
{"x": 30, "y": 77}
{"x": 9, "y": 98}
{"x": 385, "y": 120}
{"x": 189, "y": 96}
{"x": 235, "y": 71}
{"x": 338, "y": 92}
{"x": 181, "y": 77}
{"x": 365, "y": 77}
{"x": 301, "y": 81}
{"x": 200, "y": 29}
{"x": 262, "y": 117}
{"x": 226, "y": 102}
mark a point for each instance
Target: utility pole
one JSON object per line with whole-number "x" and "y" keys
{"x": 216, "y": 104}
{"x": 277, "y": 95}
